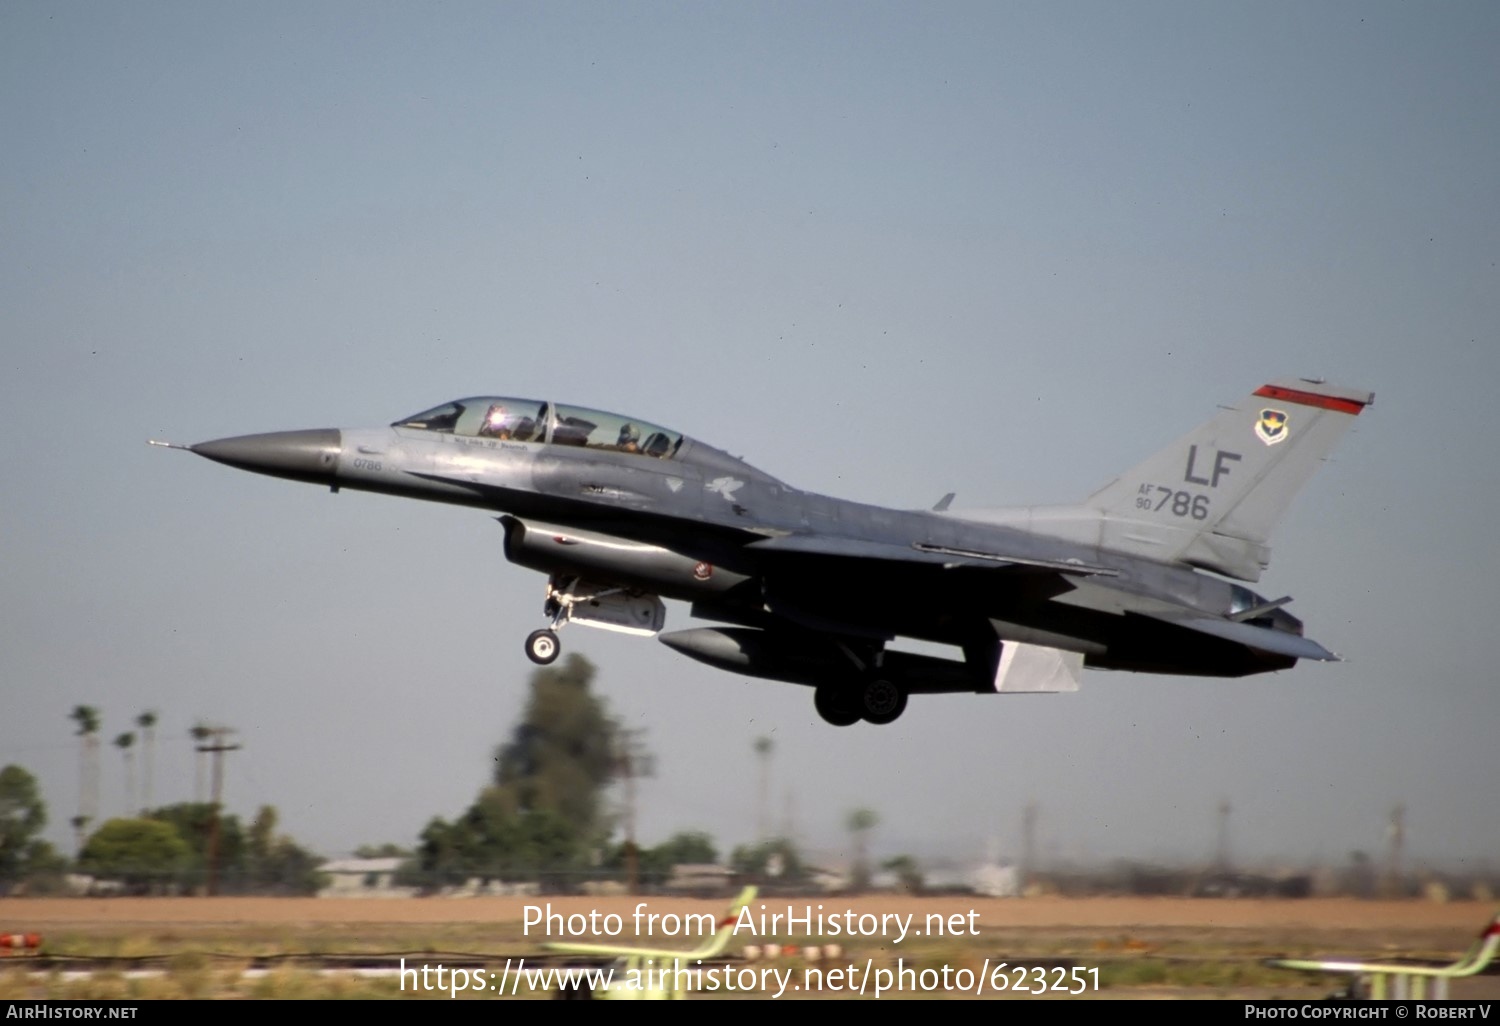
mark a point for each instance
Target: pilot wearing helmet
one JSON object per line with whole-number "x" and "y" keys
{"x": 630, "y": 439}
{"x": 497, "y": 423}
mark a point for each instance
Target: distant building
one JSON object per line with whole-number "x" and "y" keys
{"x": 363, "y": 878}
{"x": 476, "y": 887}
{"x": 700, "y": 878}
{"x": 82, "y": 885}
{"x": 997, "y": 880}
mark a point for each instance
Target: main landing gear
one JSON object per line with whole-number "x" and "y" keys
{"x": 871, "y": 697}
{"x": 876, "y": 701}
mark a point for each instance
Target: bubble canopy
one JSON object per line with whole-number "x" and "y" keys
{"x": 539, "y": 421}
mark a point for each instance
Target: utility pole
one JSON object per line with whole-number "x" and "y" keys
{"x": 631, "y": 761}
{"x": 789, "y": 820}
{"x": 763, "y": 748}
{"x": 1396, "y": 835}
{"x": 1029, "y": 816}
{"x": 215, "y": 745}
{"x": 1221, "y": 855}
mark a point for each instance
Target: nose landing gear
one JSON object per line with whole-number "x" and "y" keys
{"x": 594, "y": 604}
{"x": 542, "y": 647}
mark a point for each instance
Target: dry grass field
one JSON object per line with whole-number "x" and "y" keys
{"x": 1151, "y": 948}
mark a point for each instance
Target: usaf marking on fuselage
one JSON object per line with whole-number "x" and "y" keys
{"x": 725, "y": 486}
{"x": 620, "y": 514}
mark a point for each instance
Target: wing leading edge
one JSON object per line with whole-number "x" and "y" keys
{"x": 922, "y": 554}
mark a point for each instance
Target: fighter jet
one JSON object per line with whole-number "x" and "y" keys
{"x": 620, "y": 513}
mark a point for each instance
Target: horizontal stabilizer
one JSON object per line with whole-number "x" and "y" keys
{"x": 1262, "y": 639}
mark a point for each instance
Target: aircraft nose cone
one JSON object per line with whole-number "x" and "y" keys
{"x": 299, "y": 455}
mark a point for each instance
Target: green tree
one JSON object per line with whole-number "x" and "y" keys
{"x": 441, "y": 858}
{"x": 907, "y": 871}
{"x": 776, "y": 862}
{"x": 142, "y": 854}
{"x": 489, "y": 842}
{"x": 44, "y": 870}
{"x": 387, "y": 850}
{"x": 22, "y": 816}
{"x": 689, "y": 847}
{"x": 290, "y": 869}
{"x": 542, "y": 817}
{"x": 193, "y": 822}
{"x": 275, "y": 864}
{"x": 253, "y": 860}
{"x": 562, "y": 754}
{"x": 260, "y": 845}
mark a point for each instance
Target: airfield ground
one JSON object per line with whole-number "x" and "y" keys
{"x": 1148, "y": 948}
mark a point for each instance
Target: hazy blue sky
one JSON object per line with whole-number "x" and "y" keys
{"x": 881, "y": 250}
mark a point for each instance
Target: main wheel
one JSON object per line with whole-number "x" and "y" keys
{"x": 881, "y": 702}
{"x": 542, "y": 647}
{"x": 836, "y": 706}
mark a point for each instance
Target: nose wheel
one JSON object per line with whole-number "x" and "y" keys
{"x": 542, "y": 647}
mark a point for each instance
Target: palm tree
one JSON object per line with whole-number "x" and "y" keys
{"x": 147, "y": 722}
{"x": 87, "y": 719}
{"x": 200, "y": 733}
{"x": 860, "y": 822}
{"x": 763, "y": 748}
{"x": 124, "y": 742}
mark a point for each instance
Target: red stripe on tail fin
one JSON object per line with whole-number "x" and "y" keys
{"x": 1325, "y": 402}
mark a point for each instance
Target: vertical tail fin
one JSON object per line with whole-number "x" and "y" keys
{"x": 1211, "y": 498}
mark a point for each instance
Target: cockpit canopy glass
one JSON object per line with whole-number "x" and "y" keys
{"x": 529, "y": 420}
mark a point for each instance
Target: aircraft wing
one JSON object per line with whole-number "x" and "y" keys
{"x": 1263, "y": 639}
{"x": 920, "y": 553}
{"x": 663, "y": 528}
